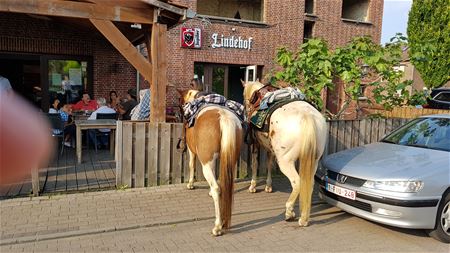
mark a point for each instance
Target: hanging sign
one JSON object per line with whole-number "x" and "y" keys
{"x": 231, "y": 42}
{"x": 191, "y": 37}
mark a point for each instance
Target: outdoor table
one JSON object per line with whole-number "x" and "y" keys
{"x": 95, "y": 124}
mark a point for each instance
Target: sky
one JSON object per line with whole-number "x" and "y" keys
{"x": 395, "y": 18}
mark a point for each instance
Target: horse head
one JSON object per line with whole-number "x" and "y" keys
{"x": 187, "y": 96}
{"x": 249, "y": 89}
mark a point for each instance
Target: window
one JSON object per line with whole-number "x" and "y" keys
{"x": 431, "y": 133}
{"x": 308, "y": 30}
{"x": 309, "y": 6}
{"x": 67, "y": 79}
{"x": 244, "y": 9}
{"x": 443, "y": 96}
{"x": 355, "y": 10}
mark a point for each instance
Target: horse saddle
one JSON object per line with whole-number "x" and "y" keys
{"x": 257, "y": 96}
{"x": 261, "y": 118}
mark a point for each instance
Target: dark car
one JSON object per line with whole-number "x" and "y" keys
{"x": 439, "y": 99}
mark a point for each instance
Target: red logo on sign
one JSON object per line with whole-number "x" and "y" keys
{"x": 191, "y": 37}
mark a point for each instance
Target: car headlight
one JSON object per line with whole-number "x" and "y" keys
{"x": 395, "y": 186}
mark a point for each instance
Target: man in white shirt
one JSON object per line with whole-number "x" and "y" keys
{"x": 102, "y": 108}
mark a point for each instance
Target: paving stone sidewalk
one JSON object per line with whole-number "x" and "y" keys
{"x": 174, "y": 219}
{"x": 59, "y": 216}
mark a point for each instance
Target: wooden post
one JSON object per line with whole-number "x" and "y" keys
{"x": 159, "y": 73}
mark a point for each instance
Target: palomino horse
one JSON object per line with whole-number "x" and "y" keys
{"x": 296, "y": 131}
{"x": 217, "y": 133}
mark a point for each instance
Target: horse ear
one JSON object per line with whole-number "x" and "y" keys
{"x": 243, "y": 83}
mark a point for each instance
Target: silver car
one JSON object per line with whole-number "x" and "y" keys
{"x": 402, "y": 181}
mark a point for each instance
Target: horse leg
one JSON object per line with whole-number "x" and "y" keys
{"x": 192, "y": 156}
{"x": 270, "y": 157}
{"x": 254, "y": 154}
{"x": 288, "y": 169}
{"x": 208, "y": 173}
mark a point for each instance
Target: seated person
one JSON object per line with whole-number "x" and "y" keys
{"x": 114, "y": 100}
{"x": 85, "y": 104}
{"x": 125, "y": 108}
{"x": 54, "y": 107}
{"x": 102, "y": 108}
{"x": 142, "y": 110}
{"x": 69, "y": 126}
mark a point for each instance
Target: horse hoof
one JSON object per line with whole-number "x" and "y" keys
{"x": 217, "y": 231}
{"x": 190, "y": 186}
{"x": 252, "y": 189}
{"x": 268, "y": 189}
{"x": 302, "y": 223}
{"x": 289, "y": 216}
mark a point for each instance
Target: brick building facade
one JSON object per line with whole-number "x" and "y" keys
{"x": 282, "y": 23}
{"x": 269, "y": 23}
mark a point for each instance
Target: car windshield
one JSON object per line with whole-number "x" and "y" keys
{"x": 432, "y": 133}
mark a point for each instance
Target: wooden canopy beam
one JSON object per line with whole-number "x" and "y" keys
{"x": 78, "y": 10}
{"x": 158, "y": 54}
{"x": 124, "y": 46}
{"x": 166, "y": 6}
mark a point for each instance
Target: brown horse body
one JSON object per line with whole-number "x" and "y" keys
{"x": 217, "y": 133}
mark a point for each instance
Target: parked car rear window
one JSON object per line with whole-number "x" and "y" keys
{"x": 443, "y": 96}
{"x": 432, "y": 133}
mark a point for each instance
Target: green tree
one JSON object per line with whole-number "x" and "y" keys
{"x": 429, "y": 40}
{"x": 313, "y": 67}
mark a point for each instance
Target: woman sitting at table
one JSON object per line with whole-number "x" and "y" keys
{"x": 102, "y": 108}
{"x": 114, "y": 100}
{"x": 69, "y": 126}
{"x": 54, "y": 107}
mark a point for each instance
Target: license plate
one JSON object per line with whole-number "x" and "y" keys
{"x": 346, "y": 193}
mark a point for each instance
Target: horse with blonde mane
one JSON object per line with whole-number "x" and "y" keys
{"x": 217, "y": 133}
{"x": 297, "y": 131}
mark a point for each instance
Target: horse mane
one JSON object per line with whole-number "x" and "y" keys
{"x": 187, "y": 95}
{"x": 250, "y": 88}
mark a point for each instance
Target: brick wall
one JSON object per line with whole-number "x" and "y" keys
{"x": 284, "y": 19}
{"x": 41, "y": 36}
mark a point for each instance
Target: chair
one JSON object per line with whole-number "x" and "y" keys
{"x": 104, "y": 116}
{"x": 57, "y": 126}
{"x": 107, "y": 116}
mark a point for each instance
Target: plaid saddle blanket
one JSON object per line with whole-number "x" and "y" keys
{"x": 261, "y": 118}
{"x": 192, "y": 108}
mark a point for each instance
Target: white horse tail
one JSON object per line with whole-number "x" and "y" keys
{"x": 308, "y": 155}
{"x": 231, "y": 137}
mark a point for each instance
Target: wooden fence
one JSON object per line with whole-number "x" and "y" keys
{"x": 408, "y": 112}
{"x": 146, "y": 153}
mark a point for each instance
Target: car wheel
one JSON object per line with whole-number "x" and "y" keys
{"x": 441, "y": 230}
